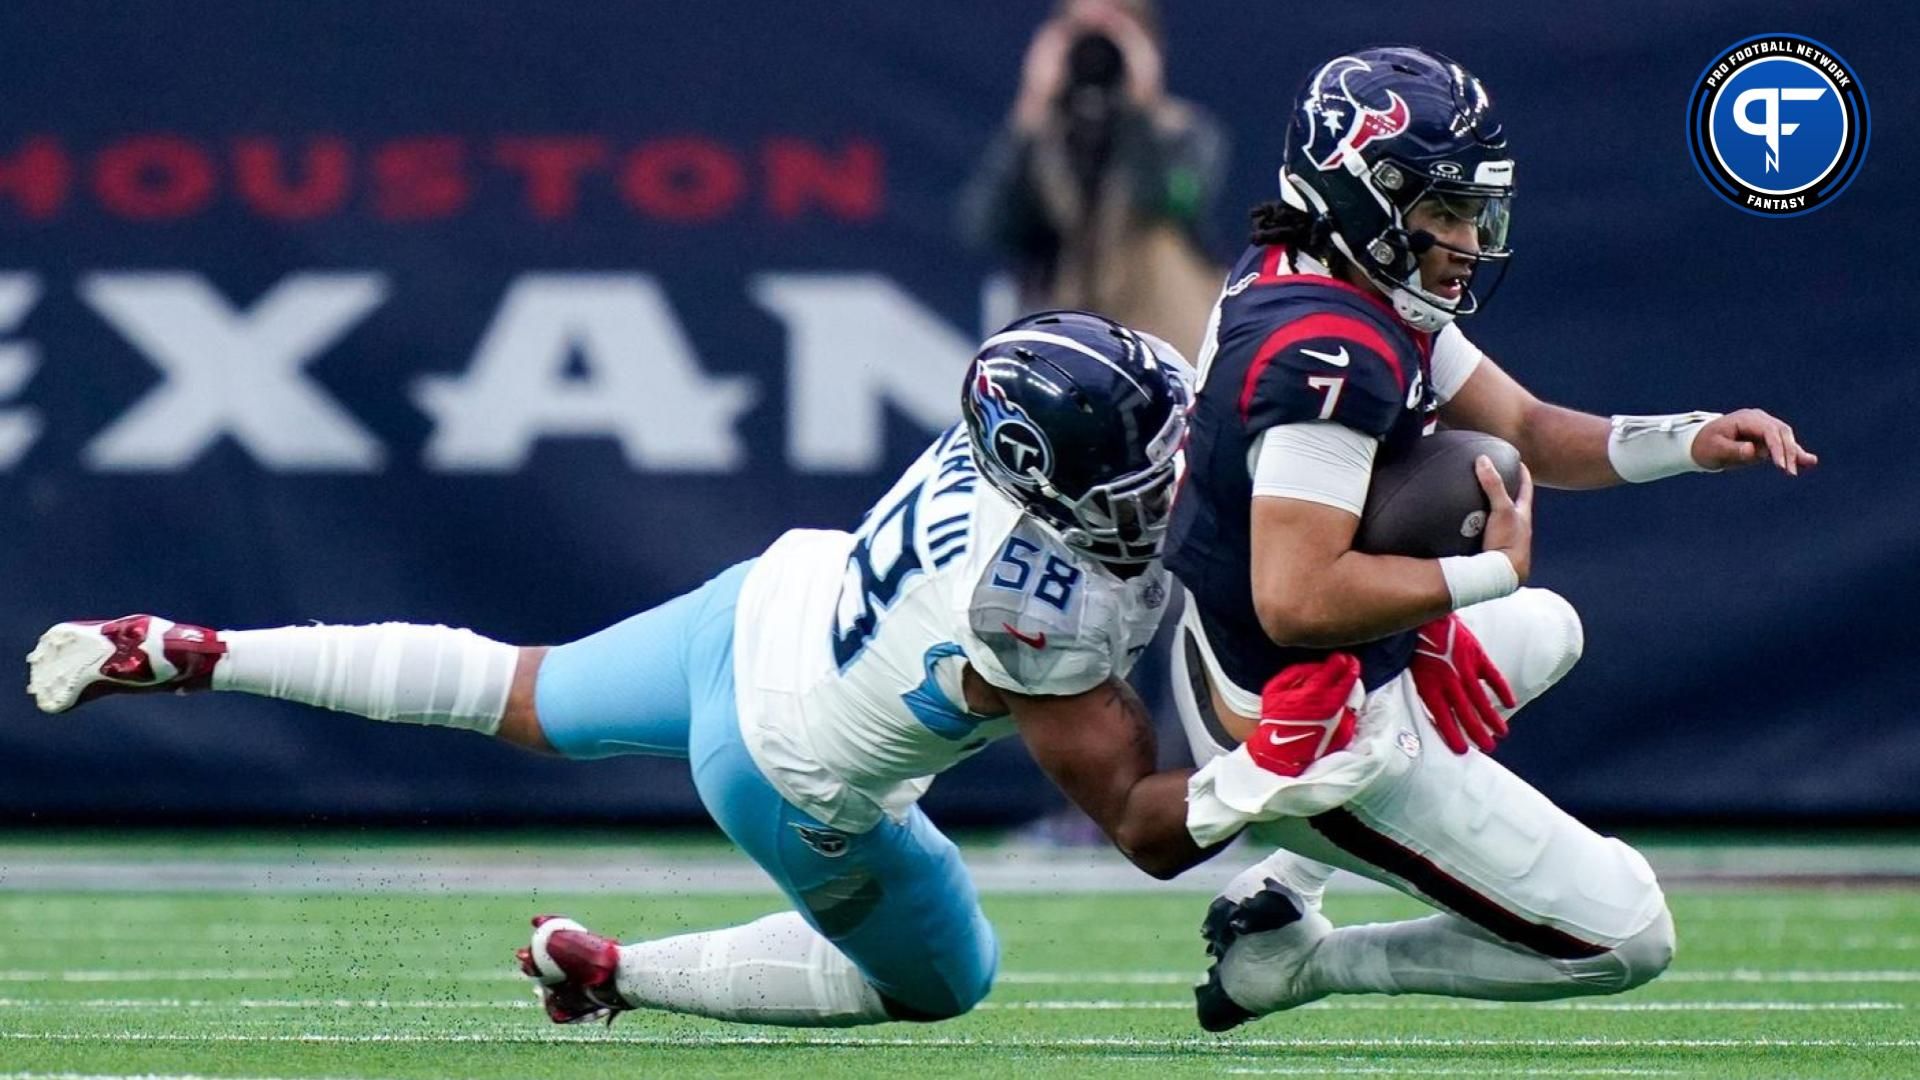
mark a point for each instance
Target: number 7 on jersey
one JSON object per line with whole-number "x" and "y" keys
{"x": 1330, "y": 385}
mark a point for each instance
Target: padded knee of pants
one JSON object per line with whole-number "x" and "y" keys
{"x": 1533, "y": 636}
{"x": 1572, "y": 634}
{"x": 1632, "y": 963}
{"x": 1648, "y": 953}
{"x": 955, "y": 997}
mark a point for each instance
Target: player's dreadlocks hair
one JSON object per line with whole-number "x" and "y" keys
{"x": 1275, "y": 222}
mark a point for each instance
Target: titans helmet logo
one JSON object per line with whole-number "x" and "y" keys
{"x": 1016, "y": 443}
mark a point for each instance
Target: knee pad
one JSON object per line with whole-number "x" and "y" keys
{"x": 958, "y": 999}
{"x": 1632, "y": 963}
{"x": 1646, "y": 954}
{"x": 1558, "y": 614}
{"x": 953, "y": 989}
{"x": 1533, "y": 636}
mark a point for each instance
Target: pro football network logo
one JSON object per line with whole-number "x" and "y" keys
{"x": 1778, "y": 125}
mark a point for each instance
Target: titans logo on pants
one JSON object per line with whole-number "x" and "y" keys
{"x": 1778, "y": 125}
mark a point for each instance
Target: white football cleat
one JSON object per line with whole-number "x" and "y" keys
{"x": 78, "y": 661}
{"x": 1259, "y": 933}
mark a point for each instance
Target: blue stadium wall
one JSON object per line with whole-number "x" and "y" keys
{"x": 527, "y": 317}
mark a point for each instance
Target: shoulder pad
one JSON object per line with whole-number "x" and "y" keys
{"x": 1036, "y": 618}
{"x": 1326, "y": 363}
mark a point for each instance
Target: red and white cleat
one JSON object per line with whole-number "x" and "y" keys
{"x": 134, "y": 654}
{"x": 574, "y": 970}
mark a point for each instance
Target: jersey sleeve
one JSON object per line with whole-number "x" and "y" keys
{"x": 1455, "y": 359}
{"x": 1324, "y": 366}
{"x": 1033, "y": 621}
{"x": 1318, "y": 462}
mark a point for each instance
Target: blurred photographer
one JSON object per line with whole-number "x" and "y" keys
{"x": 1100, "y": 183}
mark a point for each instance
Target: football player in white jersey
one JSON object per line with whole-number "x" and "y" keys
{"x": 1006, "y": 583}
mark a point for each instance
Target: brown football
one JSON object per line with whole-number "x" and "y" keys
{"x": 1427, "y": 502}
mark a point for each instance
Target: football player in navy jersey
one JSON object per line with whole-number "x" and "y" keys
{"x": 1335, "y": 343}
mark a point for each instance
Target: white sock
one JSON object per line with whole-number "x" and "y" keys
{"x": 1444, "y": 954}
{"x": 776, "y": 970}
{"x": 1308, "y": 877}
{"x": 391, "y": 671}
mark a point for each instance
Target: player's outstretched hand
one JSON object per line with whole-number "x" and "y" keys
{"x": 1510, "y": 524}
{"x": 1452, "y": 672}
{"x": 1748, "y": 436}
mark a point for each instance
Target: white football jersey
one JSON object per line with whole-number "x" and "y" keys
{"x": 849, "y": 647}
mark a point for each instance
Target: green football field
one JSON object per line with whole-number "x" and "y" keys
{"x": 177, "y": 978}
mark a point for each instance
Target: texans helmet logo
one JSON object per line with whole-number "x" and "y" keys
{"x": 1334, "y": 106}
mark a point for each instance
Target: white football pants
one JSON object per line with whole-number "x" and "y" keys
{"x": 1458, "y": 830}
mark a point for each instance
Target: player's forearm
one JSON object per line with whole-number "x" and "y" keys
{"x": 1098, "y": 747}
{"x": 1151, "y": 827}
{"x": 1565, "y": 448}
{"x": 1355, "y": 598}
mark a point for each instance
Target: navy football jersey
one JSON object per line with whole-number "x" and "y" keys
{"x": 1286, "y": 348}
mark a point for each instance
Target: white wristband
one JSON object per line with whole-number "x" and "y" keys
{"x": 1472, "y": 579}
{"x": 1643, "y": 448}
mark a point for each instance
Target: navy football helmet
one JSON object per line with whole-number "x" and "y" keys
{"x": 1375, "y": 132}
{"x": 1077, "y": 419}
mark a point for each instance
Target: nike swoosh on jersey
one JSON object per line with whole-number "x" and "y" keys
{"x": 1038, "y": 641}
{"x": 1338, "y": 359}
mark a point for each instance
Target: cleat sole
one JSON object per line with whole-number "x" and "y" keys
{"x": 63, "y": 664}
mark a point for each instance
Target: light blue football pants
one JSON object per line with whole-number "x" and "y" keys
{"x": 895, "y": 899}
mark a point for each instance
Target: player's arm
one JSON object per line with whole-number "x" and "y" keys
{"x": 1311, "y": 588}
{"x": 1318, "y": 398}
{"x": 1054, "y": 671}
{"x": 1098, "y": 747}
{"x": 1566, "y": 448}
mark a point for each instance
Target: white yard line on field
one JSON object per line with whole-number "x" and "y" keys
{"x": 1221, "y": 1045}
{"x": 143, "y": 1076}
{"x": 1001, "y": 868}
{"x": 1752, "y": 975}
{"x": 143, "y": 975}
{"x": 505, "y": 974}
{"x": 1442, "y": 1005}
{"x": 1733, "y": 975}
{"x": 1431, "y": 1071}
{"x": 1042, "y": 1005}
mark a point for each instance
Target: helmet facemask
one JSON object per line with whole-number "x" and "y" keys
{"x": 1114, "y": 504}
{"x": 1125, "y": 521}
{"x": 1390, "y": 256}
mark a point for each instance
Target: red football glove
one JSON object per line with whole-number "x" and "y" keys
{"x": 1448, "y": 667}
{"x": 1306, "y": 713}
